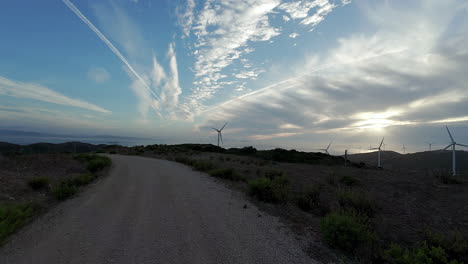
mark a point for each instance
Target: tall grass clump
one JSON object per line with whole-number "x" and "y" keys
{"x": 310, "y": 201}
{"x": 83, "y": 179}
{"x": 422, "y": 254}
{"x": 38, "y": 183}
{"x": 349, "y": 180}
{"x": 14, "y": 216}
{"x": 356, "y": 201}
{"x": 94, "y": 162}
{"x": 202, "y": 165}
{"x": 64, "y": 190}
{"x": 347, "y": 231}
{"x": 268, "y": 190}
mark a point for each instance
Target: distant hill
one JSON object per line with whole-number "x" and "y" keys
{"x": 71, "y": 147}
{"x": 20, "y": 133}
{"x": 420, "y": 160}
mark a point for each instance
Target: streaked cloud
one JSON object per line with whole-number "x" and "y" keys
{"x": 39, "y": 92}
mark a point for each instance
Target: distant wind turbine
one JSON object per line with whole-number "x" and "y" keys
{"x": 430, "y": 144}
{"x": 326, "y": 149}
{"x": 453, "y": 144}
{"x": 404, "y": 149}
{"x": 220, "y": 136}
{"x": 379, "y": 149}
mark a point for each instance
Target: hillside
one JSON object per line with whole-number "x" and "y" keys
{"x": 431, "y": 160}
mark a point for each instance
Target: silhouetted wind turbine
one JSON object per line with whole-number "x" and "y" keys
{"x": 453, "y": 144}
{"x": 430, "y": 144}
{"x": 404, "y": 149}
{"x": 379, "y": 149}
{"x": 326, "y": 149}
{"x": 219, "y": 133}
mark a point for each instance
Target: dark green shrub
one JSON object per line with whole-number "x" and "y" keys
{"x": 38, "y": 183}
{"x": 98, "y": 163}
{"x": 185, "y": 161}
{"x": 83, "y": 179}
{"x": 447, "y": 178}
{"x": 309, "y": 201}
{"x": 202, "y": 165}
{"x": 349, "y": 180}
{"x": 357, "y": 201}
{"x": 422, "y": 254}
{"x": 267, "y": 190}
{"x": 64, "y": 190}
{"x": 454, "y": 243}
{"x": 14, "y": 216}
{"x": 346, "y": 231}
{"x": 229, "y": 174}
{"x": 112, "y": 152}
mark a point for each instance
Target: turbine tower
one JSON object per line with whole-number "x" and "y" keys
{"x": 379, "y": 149}
{"x": 326, "y": 149}
{"x": 219, "y": 133}
{"x": 430, "y": 144}
{"x": 404, "y": 149}
{"x": 453, "y": 144}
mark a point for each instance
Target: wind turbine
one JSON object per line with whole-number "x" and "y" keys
{"x": 404, "y": 149}
{"x": 453, "y": 144}
{"x": 326, "y": 149}
{"x": 430, "y": 144}
{"x": 219, "y": 133}
{"x": 379, "y": 149}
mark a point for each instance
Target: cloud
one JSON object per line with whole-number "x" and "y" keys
{"x": 224, "y": 32}
{"x": 396, "y": 76}
{"x": 41, "y": 93}
{"x": 294, "y": 35}
{"x": 99, "y": 75}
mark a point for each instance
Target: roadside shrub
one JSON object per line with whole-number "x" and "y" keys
{"x": 202, "y": 165}
{"x": 346, "y": 231}
{"x": 309, "y": 201}
{"x": 447, "y": 178}
{"x": 98, "y": 163}
{"x": 83, "y": 179}
{"x": 349, "y": 180}
{"x": 14, "y": 216}
{"x": 357, "y": 201}
{"x": 38, "y": 183}
{"x": 112, "y": 152}
{"x": 271, "y": 174}
{"x": 64, "y": 190}
{"x": 422, "y": 254}
{"x": 454, "y": 243}
{"x": 229, "y": 174}
{"x": 184, "y": 160}
{"x": 267, "y": 190}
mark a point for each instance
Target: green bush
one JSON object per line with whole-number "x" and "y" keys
{"x": 309, "y": 201}
{"x": 229, "y": 174}
{"x": 358, "y": 201}
{"x": 185, "y": 161}
{"x": 98, "y": 163}
{"x": 267, "y": 190}
{"x": 423, "y": 254}
{"x": 202, "y": 165}
{"x": 454, "y": 243}
{"x": 346, "y": 231}
{"x": 64, "y": 190}
{"x": 83, "y": 179}
{"x": 349, "y": 180}
{"x": 14, "y": 216}
{"x": 38, "y": 183}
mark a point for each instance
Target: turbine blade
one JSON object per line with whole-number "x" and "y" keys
{"x": 450, "y": 134}
{"x": 330, "y": 144}
{"x": 462, "y": 145}
{"x": 381, "y": 143}
{"x": 223, "y": 126}
{"x": 447, "y": 147}
{"x": 214, "y": 128}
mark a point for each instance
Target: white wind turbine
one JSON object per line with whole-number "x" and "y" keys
{"x": 430, "y": 144}
{"x": 453, "y": 144}
{"x": 326, "y": 149}
{"x": 404, "y": 149}
{"x": 219, "y": 133}
{"x": 379, "y": 149}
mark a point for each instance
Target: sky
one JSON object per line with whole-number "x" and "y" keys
{"x": 283, "y": 73}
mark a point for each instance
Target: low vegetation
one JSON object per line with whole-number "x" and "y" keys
{"x": 270, "y": 190}
{"x": 422, "y": 254}
{"x": 38, "y": 183}
{"x": 14, "y": 216}
{"x": 347, "y": 231}
{"x": 349, "y": 180}
{"x": 64, "y": 190}
{"x": 83, "y": 179}
{"x": 356, "y": 201}
{"x": 310, "y": 201}
{"x": 227, "y": 173}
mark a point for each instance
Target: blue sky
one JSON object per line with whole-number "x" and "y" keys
{"x": 284, "y": 73}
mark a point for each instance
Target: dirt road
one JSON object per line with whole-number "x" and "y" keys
{"x": 154, "y": 211}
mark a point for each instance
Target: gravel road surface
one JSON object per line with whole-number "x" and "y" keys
{"x": 154, "y": 211}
